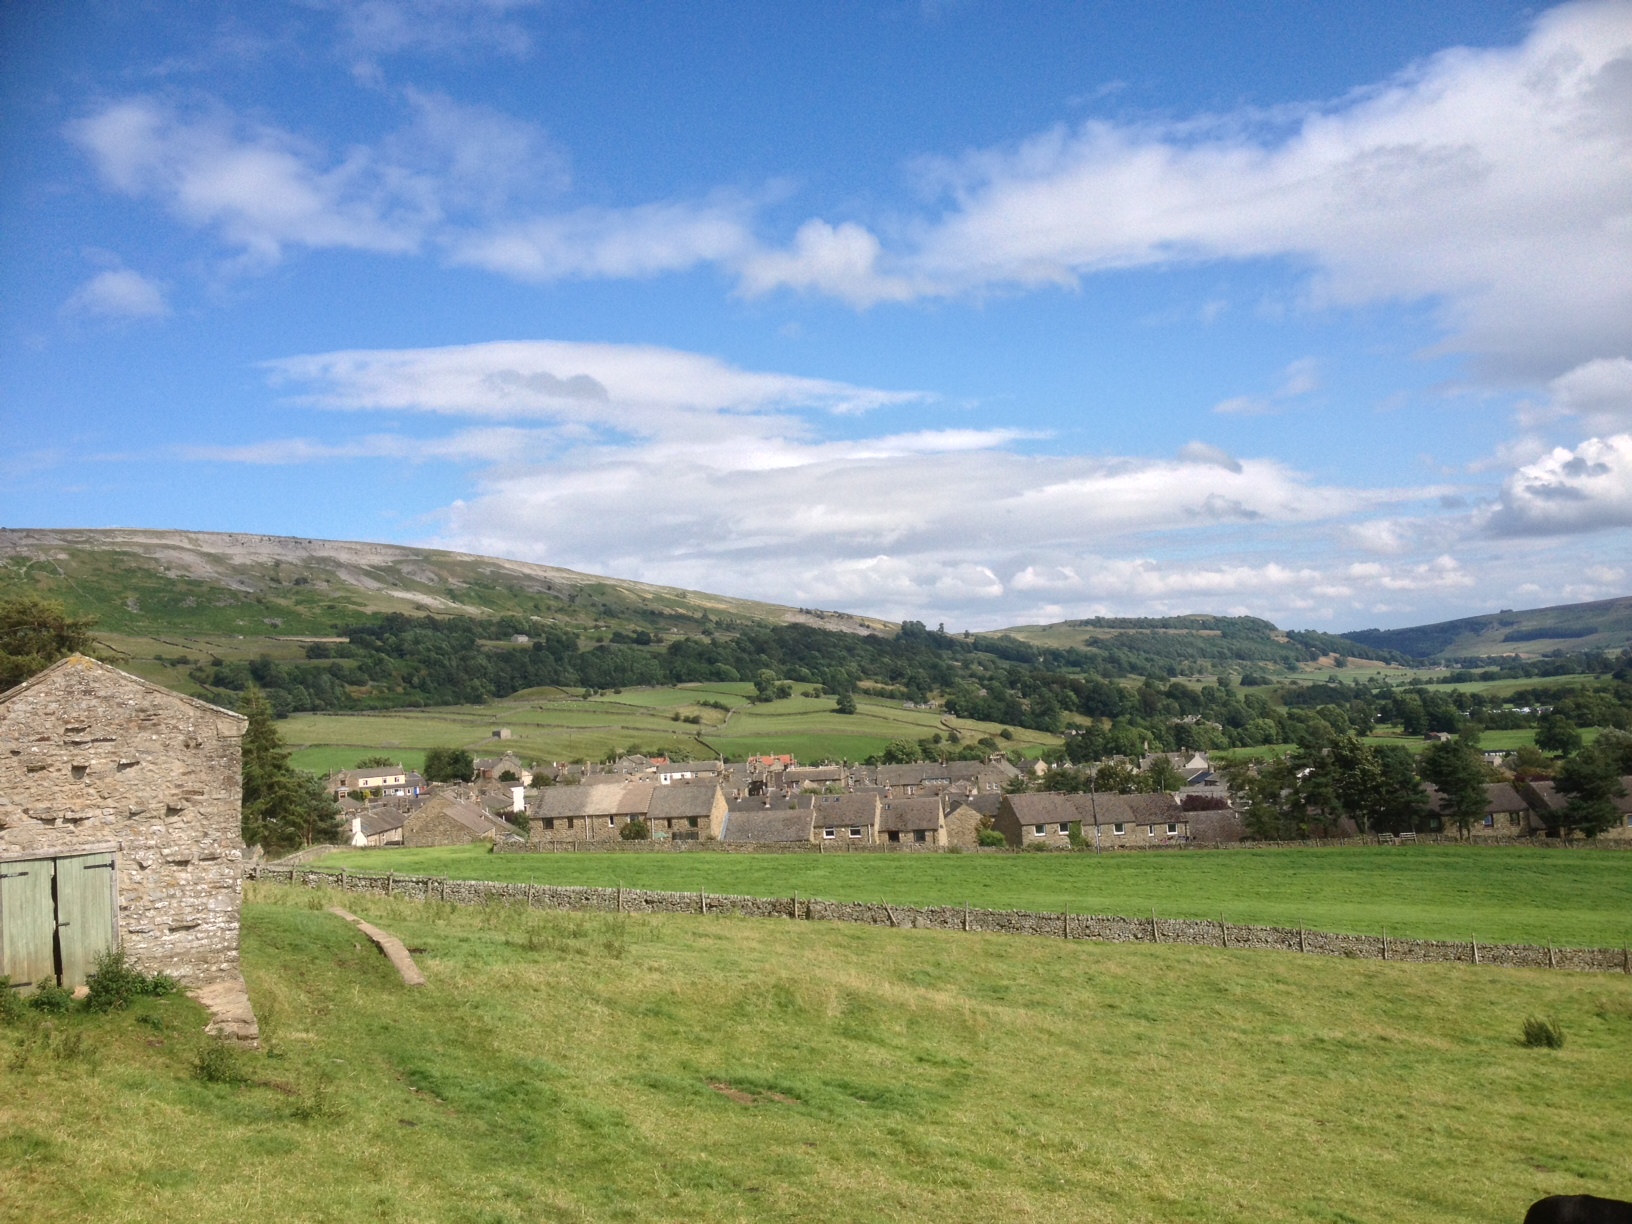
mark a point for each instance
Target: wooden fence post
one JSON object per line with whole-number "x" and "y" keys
{"x": 1155, "y": 931}
{"x": 1474, "y": 940}
{"x": 702, "y": 900}
{"x": 345, "y": 880}
{"x": 1065, "y": 922}
{"x": 966, "y": 916}
{"x": 620, "y": 896}
{"x": 1223, "y": 931}
{"x": 1301, "y": 945}
{"x": 390, "y": 883}
{"x": 1385, "y": 943}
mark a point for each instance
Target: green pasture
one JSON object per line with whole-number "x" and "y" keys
{"x": 570, "y": 1067}
{"x": 1505, "y": 894}
{"x": 547, "y": 725}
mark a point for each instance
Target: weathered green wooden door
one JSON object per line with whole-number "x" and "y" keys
{"x": 86, "y": 914}
{"x": 28, "y": 919}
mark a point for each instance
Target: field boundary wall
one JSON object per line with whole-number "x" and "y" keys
{"x": 1061, "y": 925}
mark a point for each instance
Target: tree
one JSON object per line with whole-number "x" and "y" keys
{"x": 1162, "y": 776}
{"x": 283, "y": 807}
{"x": 1558, "y": 735}
{"x": 1592, "y": 780}
{"x": 636, "y": 830}
{"x": 375, "y": 762}
{"x": 1116, "y": 777}
{"x": 1459, "y": 774}
{"x": 35, "y": 633}
{"x": 846, "y": 704}
{"x": 1528, "y": 763}
{"x": 449, "y": 765}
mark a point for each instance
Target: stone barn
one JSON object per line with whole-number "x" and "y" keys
{"x": 120, "y": 827}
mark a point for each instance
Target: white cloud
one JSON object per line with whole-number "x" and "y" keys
{"x": 640, "y": 390}
{"x": 1201, "y": 452}
{"x": 641, "y": 241}
{"x": 1300, "y": 378}
{"x": 1598, "y": 392}
{"x": 1568, "y": 491}
{"x": 390, "y": 27}
{"x": 1492, "y": 181}
{"x": 464, "y": 180}
{"x": 837, "y": 260}
{"x": 118, "y": 293}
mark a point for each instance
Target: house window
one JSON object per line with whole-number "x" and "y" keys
{"x": 1172, "y": 830}
{"x": 691, "y": 822}
{"x": 1117, "y": 829}
{"x": 549, "y": 822}
{"x": 855, "y": 831}
{"x": 1065, "y": 828}
{"x": 1490, "y": 822}
{"x": 827, "y": 832}
{"x": 569, "y": 822}
{"x": 919, "y": 835}
{"x": 894, "y": 836}
{"x": 1038, "y": 829}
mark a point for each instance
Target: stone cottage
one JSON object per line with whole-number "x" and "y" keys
{"x": 120, "y": 826}
{"x": 452, "y": 819}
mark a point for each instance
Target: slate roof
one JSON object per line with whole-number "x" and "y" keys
{"x": 595, "y": 799}
{"x": 767, "y": 825}
{"x": 836, "y": 810}
{"x": 909, "y": 815}
{"x": 1046, "y": 807}
{"x": 674, "y": 802}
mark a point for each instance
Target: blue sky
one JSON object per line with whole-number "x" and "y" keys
{"x": 969, "y": 312}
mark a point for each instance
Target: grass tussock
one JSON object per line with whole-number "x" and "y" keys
{"x": 584, "y": 1067}
{"x": 1541, "y": 1034}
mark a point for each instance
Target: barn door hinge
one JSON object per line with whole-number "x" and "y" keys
{"x": 60, "y": 925}
{"x": 98, "y": 866}
{"x": 12, "y": 875}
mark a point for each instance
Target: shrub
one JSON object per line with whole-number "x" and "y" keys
{"x": 636, "y": 830}
{"x": 115, "y": 982}
{"x": 12, "y": 1008}
{"x": 1543, "y": 1034}
{"x": 51, "y": 999}
{"x": 215, "y": 1064}
{"x": 990, "y": 837}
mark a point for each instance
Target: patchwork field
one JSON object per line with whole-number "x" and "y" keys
{"x": 551, "y": 725}
{"x": 1505, "y": 894}
{"x": 571, "y": 1067}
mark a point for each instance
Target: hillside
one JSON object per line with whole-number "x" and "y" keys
{"x": 1216, "y": 640}
{"x": 1603, "y": 625}
{"x": 152, "y": 582}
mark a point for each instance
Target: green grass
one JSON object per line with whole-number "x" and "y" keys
{"x": 559, "y": 1067}
{"x": 551, "y": 726}
{"x": 1505, "y": 894}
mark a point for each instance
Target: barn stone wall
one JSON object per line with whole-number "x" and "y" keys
{"x": 92, "y": 760}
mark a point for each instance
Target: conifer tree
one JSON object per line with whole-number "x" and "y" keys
{"x": 284, "y": 807}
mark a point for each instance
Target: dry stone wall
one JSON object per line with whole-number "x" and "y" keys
{"x": 1062, "y": 925}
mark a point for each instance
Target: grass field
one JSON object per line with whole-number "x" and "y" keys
{"x": 1502, "y": 894}
{"x": 551, "y": 725}
{"x": 574, "y": 1068}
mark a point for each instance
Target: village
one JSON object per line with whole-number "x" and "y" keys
{"x": 773, "y": 801}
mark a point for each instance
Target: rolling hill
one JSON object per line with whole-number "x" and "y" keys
{"x": 1602, "y": 625}
{"x": 141, "y": 583}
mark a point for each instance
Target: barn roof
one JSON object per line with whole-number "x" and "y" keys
{"x": 81, "y": 663}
